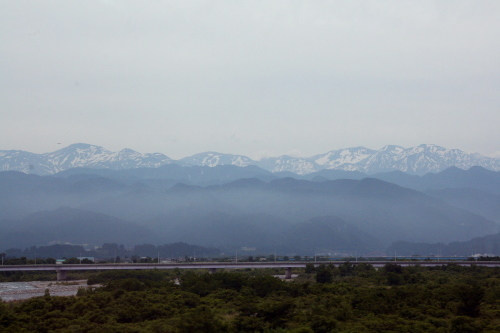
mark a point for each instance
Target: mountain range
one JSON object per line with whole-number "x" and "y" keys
{"x": 415, "y": 160}
{"x": 344, "y": 201}
{"x": 231, "y": 212}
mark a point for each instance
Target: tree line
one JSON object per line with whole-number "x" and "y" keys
{"x": 327, "y": 298}
{"x": 110, "y": 251}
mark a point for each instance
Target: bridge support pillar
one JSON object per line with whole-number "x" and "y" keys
{"x": 288, "y": 273}
{"x": 61, "y": 275}
{"x": 212, "y": 270}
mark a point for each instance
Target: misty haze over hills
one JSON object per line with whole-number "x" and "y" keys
{"x": 415, "y": 160}
{"x": 230, "y": 207}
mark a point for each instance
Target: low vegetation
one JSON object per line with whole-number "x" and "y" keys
{"x": 341, "y": 298}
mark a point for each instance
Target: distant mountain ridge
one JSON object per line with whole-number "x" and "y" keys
{"x": 78, "y": 155}
{"x": 285, "y": 213}
{"x": 415, "y": 160}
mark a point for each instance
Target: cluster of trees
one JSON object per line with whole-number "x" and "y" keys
{"x": 327, "y": 298}
{"x": 50, "y": 251}
{"x": 44, "y": 261}
{"x": 110, "y": 251}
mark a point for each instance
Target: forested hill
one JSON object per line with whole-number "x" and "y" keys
{"x": 263, "y": 212}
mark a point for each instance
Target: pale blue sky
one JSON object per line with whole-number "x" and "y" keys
{"x": 257, "y": 78}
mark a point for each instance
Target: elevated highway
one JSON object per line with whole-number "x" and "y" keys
{"x": 62, "y": 269}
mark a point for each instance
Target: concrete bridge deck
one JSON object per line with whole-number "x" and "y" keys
{"x": 62, "y": 269}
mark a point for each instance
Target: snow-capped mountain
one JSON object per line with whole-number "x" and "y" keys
{"x": 212, "y": 159}
{"x": 423, "y": 159}
{"x": 78, "y": 155}
{"x": 415, "y": 160}
{"x": 298, "y": 165}
{"x": 344, "y": 159}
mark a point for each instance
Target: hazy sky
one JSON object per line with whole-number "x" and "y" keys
{"x": 258, "y": 78}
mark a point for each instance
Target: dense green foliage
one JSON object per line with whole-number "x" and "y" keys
{"x": 19, "y": 276}
{"x": 344, "y": 298}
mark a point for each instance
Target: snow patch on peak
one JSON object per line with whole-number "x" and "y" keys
{"x": 128, "y": 151}
{"x": 80, "y": 146}
{"x": 82, "y": 155}
{"x": 213, "y": 159}
{"x": 416, "y": 160}
{"x": 392, "y": 148}
{"x": 335, "y": 159}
